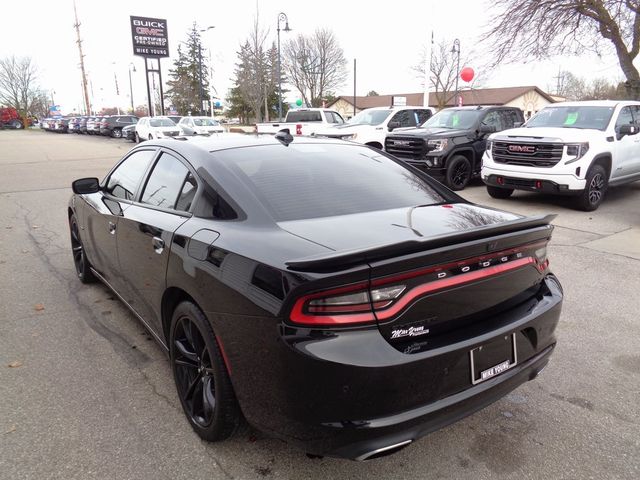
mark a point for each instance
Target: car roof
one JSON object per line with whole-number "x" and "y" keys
{"x": 595, "y": 103}
{"x": 199, "y": 149}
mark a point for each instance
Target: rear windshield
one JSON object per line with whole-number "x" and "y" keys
{"x": 324, "y": 180}
{"x": 306, "y": 116}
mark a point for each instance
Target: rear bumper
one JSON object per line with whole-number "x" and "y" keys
{"x": 348, "y": 393}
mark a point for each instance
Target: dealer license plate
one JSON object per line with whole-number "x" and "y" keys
{"x": 493, "y": 358}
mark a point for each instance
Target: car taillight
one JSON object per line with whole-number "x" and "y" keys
{"x": 342, "y": 306}
{"x": 385, "y": 298}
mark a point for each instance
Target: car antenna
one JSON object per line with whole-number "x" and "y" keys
{"x": 284, "y": 136}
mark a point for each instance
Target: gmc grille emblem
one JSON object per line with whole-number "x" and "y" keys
{"x": 522, "y": 148}
{"x": 401, "y": 142}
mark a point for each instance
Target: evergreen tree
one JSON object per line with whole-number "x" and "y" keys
{"x": 184, "y": 84}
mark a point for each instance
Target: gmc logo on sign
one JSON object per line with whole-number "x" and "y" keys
{"x": 522, "y": 148}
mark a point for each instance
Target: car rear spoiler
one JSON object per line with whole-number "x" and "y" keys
{"x": 540, "y": 227}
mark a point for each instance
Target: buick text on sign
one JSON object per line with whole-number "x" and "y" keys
{"x": 150, "y": 37}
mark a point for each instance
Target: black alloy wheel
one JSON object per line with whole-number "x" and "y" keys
{"x": 497, "y": 192}
{"x": 83, "y": 267}
{"x": 116, "y": 133}
{"x": 200, "y": 375}
{"x": 593, "y": 194}
{"x": 458, "y": 172}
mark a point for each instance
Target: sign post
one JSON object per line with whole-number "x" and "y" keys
{"x": 150, "y": 40}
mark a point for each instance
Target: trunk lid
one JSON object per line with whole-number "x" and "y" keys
{"x": 449, "y": 273}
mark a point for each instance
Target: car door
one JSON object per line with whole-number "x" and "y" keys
{"x": 627, "y": 147}
{"x": 145, "y": 232}
{"x": 105, "y": 209}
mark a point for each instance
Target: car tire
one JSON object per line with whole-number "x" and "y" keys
{"x": 596, "y": 187}
{"x": 458, "y": 172}
{"x": 18, "y": 125}
{"x": 497, "y": 192}
{"x": 201, "y": 377}
{"x": 80, "y": 261}
{"x": 116, "y": 133}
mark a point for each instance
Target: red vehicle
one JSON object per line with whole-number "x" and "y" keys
{"x": 9, "y": 118}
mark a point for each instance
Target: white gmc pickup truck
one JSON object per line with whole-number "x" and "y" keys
{"x": 572, "y": 148}
{"x": 303, "y": 121}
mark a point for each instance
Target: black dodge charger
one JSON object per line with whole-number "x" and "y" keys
{"x": 323, "y": 291}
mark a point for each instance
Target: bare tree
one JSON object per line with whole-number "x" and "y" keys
{"x": 536, "y": 29}
{"x": 573, "y": 87}
{"x": 18, "y": 85}
{"x": 253, "y": 77}
{"x": 444, "y": 70}
{"x": 315, "y": 65}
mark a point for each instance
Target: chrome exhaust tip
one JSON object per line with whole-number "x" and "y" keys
{"x": 383, "y": 451}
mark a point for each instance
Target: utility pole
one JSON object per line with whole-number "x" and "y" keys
{"x": 84, "y": 75}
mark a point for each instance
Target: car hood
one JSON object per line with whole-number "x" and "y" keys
{"x": 346, "y": 129}
{"x": 429, "y": 132}
{"x": 547, "y": 134}
{"x": 363, "y": 230}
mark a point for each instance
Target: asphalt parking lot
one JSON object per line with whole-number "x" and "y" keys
{"x": 85, "y": 393}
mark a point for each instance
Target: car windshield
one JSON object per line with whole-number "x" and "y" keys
{"x": 161, "y": 122}
{"x": 452, "y": 118}
{"x": 205, "y": 122}
{"x": 370, "y": 117}
{"x": 572, "y": 117}
{"x": 323, "y": 180}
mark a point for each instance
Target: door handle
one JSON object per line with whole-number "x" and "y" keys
{"x": 112, "y": 228}
{"x": 158, "y": 244}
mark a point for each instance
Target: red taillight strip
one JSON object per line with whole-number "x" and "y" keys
{"x": 460, "y": 263}
{"x": 431, "y": 287}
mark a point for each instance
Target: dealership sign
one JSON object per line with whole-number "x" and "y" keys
{"x": 150, "y": 37}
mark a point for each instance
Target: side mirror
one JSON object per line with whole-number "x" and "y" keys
{"x": 85, "y": 186}
{"x": 628, "y": 129}
{"x": 485, "y": 129}
{"x": 393, "y": 125}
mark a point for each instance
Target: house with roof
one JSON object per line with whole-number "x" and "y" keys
{"x": 529, "y": 99}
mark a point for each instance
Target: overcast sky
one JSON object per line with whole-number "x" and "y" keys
{"x": 386, "y": 38}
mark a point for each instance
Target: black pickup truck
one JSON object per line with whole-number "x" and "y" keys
{"x": 449, "y": 146}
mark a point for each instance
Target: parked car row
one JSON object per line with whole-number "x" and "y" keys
{"x": 132, "y": 128}
{"x": 577, "y": 149}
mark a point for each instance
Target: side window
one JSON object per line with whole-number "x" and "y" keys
{"x": 636, "y": 113}
{"x": 624, "y": 117}
{"x": 493, "y": 119}
{"x": 423, "y": 116}
{"x": 124, "y": 180}
{"x": 509, "y": 118}
{"x": 188, "y": 192}
{"x": 165, "y": 182}
{"x": 405, "y": 118}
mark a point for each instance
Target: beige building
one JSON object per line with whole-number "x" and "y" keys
{"x": 529, "y": 99}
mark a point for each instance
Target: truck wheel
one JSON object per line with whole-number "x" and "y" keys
{"x": 17, "y": 124}
{"x": 458, "y": 172}
{"x": 596, "y": 187}
{"x": 116, "y": 133}
{"x": 497, "y": 192}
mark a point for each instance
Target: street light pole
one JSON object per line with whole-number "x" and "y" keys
{"x": 133, "y": 109}
{"x": 282, "y": 17}
{"x": 456, "y": 50}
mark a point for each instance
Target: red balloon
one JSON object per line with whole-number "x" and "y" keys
{"x": 467, "y": 74}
